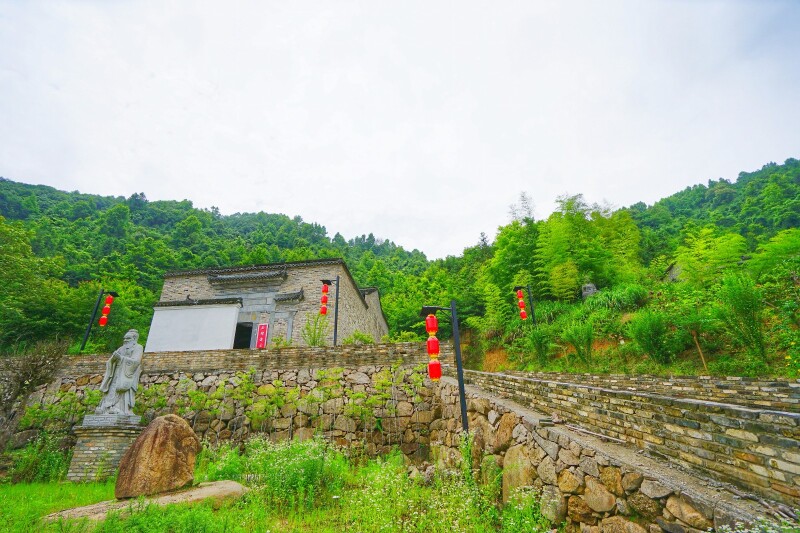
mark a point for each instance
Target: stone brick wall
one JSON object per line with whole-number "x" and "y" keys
{"x": 753, "y": 448}
{"x": 82, "y": 367}
{"x": 774, "y": 394}
{"x": 592, "y": 485}
{"x": 377, "y": 396}
{"x": 99, "y": 450}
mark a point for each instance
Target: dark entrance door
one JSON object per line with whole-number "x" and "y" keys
{"x": 244, "y": 332}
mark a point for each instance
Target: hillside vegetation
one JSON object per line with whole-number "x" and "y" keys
{"x": 704, "y": 281}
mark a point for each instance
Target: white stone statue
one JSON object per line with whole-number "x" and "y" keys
{"x": 122, "y": 377}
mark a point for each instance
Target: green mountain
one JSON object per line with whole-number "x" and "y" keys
{"x": 59, "y": 249}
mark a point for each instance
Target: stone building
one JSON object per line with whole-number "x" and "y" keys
{"x": 259, "y": 306}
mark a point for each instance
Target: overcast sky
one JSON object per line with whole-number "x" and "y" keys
{"x": 420, "y": 122}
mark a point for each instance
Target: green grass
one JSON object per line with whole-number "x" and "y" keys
{"x": 24, "y": 504}
{"x": 299, "y": 487}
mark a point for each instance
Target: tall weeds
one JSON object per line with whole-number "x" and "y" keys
{"x": 742, "y": 313}
{"x": 651, "y": 332}
{"x": 580, "y": 336}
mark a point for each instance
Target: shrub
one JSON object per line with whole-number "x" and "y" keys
{"x": 580, "y": 336}
{"x": 292, "y": 475}
{"x": 741, "y": 313}
{"x": 523, "y": 513}
{"x": 316, "y": 329}
{"x": 41, "y": 461}
{"x": 358, "y": 337}
{"x": 539, "y": 340}
{"x": 548, "y": 312}
{"x": 650, "y": 330}
{"x": 622, "y": 298}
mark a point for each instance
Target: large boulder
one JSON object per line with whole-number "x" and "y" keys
{"x": 160, "y": 459}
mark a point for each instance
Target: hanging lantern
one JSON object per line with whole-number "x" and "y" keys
{"x": 521, "y": 303}
{"x": 103, "y": 320}
{"x": 434, "y": 369}
{"x": 434, "y": 366}
{"x": 323, "y": 301}
{"x": 431, "y": 324}
{"x": 433, "y": 346}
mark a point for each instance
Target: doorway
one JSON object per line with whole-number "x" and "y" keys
{"x": 243, "y": 336}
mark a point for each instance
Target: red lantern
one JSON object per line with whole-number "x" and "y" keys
{"x": 324, "y": 299}
{"x": 431, "y": 324}
{"x": 433, "y": 346}
{"x": 324, "y": 288}
{"x": 523, "y": 315}
{"x": 519, "y": 294}
{"x": 434, "y": 369}
{"x": 323, "y": 310}
{"x": 522, "y": 304}
{"x": 103, "y": 320}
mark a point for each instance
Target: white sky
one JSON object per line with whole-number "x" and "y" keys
{"x": 420, "y": 122}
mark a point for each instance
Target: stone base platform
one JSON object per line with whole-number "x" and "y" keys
{"x": 102, "y": 441}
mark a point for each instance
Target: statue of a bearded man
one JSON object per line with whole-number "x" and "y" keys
{"x": 122, "y": 377}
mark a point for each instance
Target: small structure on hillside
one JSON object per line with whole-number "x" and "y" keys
{"x": 588, "y": 289}
{"x": 256, "y": 306}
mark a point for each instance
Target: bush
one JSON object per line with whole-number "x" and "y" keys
{"x": 622, "y": 298}
{"x": 358, "y": 337}
{"x": 548, "y": 312}
{"x": 42, "y": 460}
{"x": 650, "y": 330}
{"x": 295, "y": 475}
{"x": 523, "y": 513}
{"x": 286, "y": 474}
{"x": 741, "y": 313}
{"x": 580, "y": 336}
{"x": 539, "y": 340}
{"x": 316, "y": 329}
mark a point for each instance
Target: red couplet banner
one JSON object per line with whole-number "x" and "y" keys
{"x": 261, "y": 339}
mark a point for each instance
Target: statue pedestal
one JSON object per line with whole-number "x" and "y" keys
{"x": 102, "y": 441}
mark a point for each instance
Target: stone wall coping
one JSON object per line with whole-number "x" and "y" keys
{"x": 410, "y": 353}
{"x": 747, "y": 412}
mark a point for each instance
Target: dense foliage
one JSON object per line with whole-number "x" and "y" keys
{"x": 706, "y": 280}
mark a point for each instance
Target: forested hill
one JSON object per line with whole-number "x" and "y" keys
{"x": 59, "y": 248}
{"x": 106, "y": 236}
{"x": 757, "y": 205}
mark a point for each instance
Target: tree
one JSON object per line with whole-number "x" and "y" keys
{"x": 21, "y": 374}
{"x": 704, "y": 255}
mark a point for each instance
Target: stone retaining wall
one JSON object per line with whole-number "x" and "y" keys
{"x": 594, "y": 486}
{"x": 755, "y": 449}
{"x": 282, "y": 358}
{"x": 370, "y": 395}
{"x": 774, "y": 394}
{"x": 98, "y": 451}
